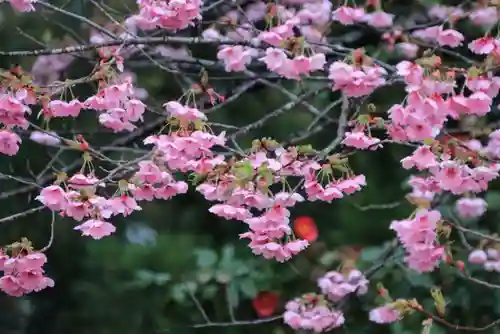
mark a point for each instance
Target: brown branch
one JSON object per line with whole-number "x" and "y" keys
{"x": 21, "y": 214}
{"x": 239, "y": 322}
{"x": 444, "y": 322}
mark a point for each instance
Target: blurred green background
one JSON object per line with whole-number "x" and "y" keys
{"x": 144, "y": 278}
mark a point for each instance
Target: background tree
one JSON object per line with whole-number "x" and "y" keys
{"x": 176, "y": 266}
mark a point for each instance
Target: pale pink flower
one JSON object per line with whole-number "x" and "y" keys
{"x": 271, "y": 38}
{"x": 471, "y": 207}
{"x": 124, "y": 205}
{"x": 484, "y": 16}
{"x": 49, "y": 139}
{"x": 450, "y": 37}
{"x": 13, "y": 111}
{"x": 424, "y": 257}
{"x": 478, "y": 256}
{"x": 53, "y": 197}
{"x": 430, "y": 34}
{"x": 422, "y": 158}
{"x": 23, "y": 5}
{"x": 336, "y": 285}
{"x": 235, "y": 58}
{"x": 408, "y": 50}
{"x": 60, "y": 108}
{"x": 184, "y": 113}
{"x": 211, "y": 34}
{"x": 9, "y": 142}
{"x": 348, "y": 15}
{"x": 311, "y": 314}
{"x": 96, "y": 229}
{"x": 384, "y": 315}
{"x": 483, "y": 45}
{"x": 230, "y": 212}
{"x": 360, "y": 140}
{"x": 479, "y": 104}
{"x": 379, "y": 19}
{"x": 449, "y": 176}
{"x": 446, "y": 12}
{"x": 81, "y": 181}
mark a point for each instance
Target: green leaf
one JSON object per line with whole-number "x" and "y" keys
{"x": 191, "y": 286}
{"x": 222, "y": 277}
{"x": 243, "y": 170}
{"x": 206, "y": 258}
{"x": 419, "y": 280}
{"x": 370, "y": 254}
{"x": 162, "y": 278}
{"x": 248, "y": 288}
{"x": 178, "y": 293}
{"x": 493, "y": 200}
{"x": 146, "y": 278}
{"x": 205, "y": 275}
{"x": 227, "y": 259}
{"x": 209, "y": 292}
{"x": 233, "y": 294}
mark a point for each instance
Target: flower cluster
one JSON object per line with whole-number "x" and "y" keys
{"x": 419, "y": 237}
{"x": 490, "y": 259}
{"x": 120, "y": 108}
{"x": 356, "y": 81}
{"x": 336, "y": 285}
{"x": 315, "y": 311}
{"x": 80, "y": 202}
{"x": 23, "y": 272}
{"x": 312, "y": 312}
{"x": 471, "y": 207}
{"x": 23, "y": 5}
{"x": 385, "y": 314}
{"x": 255, "y": 186}
{"x": 171, "y": 15}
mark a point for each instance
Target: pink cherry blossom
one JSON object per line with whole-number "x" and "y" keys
{"x": 23, "y": 5}
{"x": 235, "y": 58}
{"x": 9, "y": 142}
{"x": 60, "y": 108}
{"x": 471, "y": 207}
{"x": 450, "y": 37}
{"x": 336, "y": 286}
{"x": 408, "y": 50}
{"x": 49, "y": 139}
{"x": 484, "y": 16}
{"x": 23, "y": 274}
{"x": 384, "y": 315}
{"x": 96, "y": 229}
{"x": 348, "y": 15}
{"x": 306, "y": 314}
{"x": 53, "y": 197}
{"x": 478, "y": 256}
{"x": 361, "y": 141}
{"x": 483, "y": 45}
{"x": 230, "y": 212}
{"x": 379, "y": 19}
{"x": 422, "y": 158}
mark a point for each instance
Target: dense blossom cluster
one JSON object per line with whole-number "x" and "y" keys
{"x": 172, "y": 15}
{"x": 317, "y": 312}
{"x": 419, "y": 237}
{"x": 23, "y": 272}
{"x": 336, "y": 286}
{"x": 312, "y": 312}
{"x": 260, "y": 187}
{"x": 489, "y": 258}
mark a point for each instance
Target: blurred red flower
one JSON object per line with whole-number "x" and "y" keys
{"x": 265, "y": 303}
{"x": 305, "y": 228}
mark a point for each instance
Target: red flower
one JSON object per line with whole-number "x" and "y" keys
{"x": 305, "y": 228}
{"x": 265, "y": 303}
